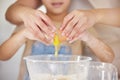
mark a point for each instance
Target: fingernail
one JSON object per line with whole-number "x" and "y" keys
{"x": 70, "y": 41}
{"x": 53, "y": 30}
{"x": 63, "y": 34}
{"x": 52, "y": 35}
{"x": 60, "y": 28}
{"x": 67, "y": 34}
{"x": 51, "y": 40}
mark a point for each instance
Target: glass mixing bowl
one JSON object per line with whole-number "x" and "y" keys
{"x": 68, "y": 67}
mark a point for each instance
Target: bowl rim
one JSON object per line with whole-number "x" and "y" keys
{"x": 28, "y": 58}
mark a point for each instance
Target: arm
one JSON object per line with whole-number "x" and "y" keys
{"x": 100, "y": 49}
{"x": 24, "y": 12}
{"x": 37, "y": 22}
{"x": 9, "y": 47}
{"x": 108, "y": 16}
{"x": 78, "y": 21}
{"x": 14, "y": 11}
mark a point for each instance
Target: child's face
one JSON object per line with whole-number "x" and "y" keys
{"x": 56, "y": 6}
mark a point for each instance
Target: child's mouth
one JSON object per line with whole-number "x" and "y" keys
{"x": 57, "y": 5}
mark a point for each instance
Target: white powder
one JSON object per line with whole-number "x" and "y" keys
{"x": 57, "y": 77}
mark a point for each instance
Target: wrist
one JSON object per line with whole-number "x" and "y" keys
{"x": 89, "y": 39}
{"x": 97, "y": 14}
{"x": 92, "y": 41}
{"x": 85, "y": 36}
{"x": 22, "y": 36}
{"x": 23, "y": 12}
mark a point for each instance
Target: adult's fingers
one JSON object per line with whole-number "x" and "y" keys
{"x": 76, "y": 38}
{"x": 41, "y": 36}
{"x": 42, "y": 26}
{"x": 76, "y": 29}
{"x": 46, "y": 19}
{"x": 38, "y": 34}
{"x": 66, "y": 20}
{"x": 32, "y": 27}
{"x": 79, "y": 34}
{"x": 44, "y": 39}
{"x": 69, "y": 27}
{"x": 73, "y": 33}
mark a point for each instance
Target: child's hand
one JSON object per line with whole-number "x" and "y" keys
{"x": 77, "y": 22}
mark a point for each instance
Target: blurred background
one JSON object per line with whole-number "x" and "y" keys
{"x": 9, "y": 69}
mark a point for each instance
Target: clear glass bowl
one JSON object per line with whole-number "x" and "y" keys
{"x": 68, "y": 67}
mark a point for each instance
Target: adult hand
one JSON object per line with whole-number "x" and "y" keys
{"x": 39, "y": 24}
{"x": 84, "y": 36}
{"x": 29, "y": 35}
{"x": 77, "y": 22}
